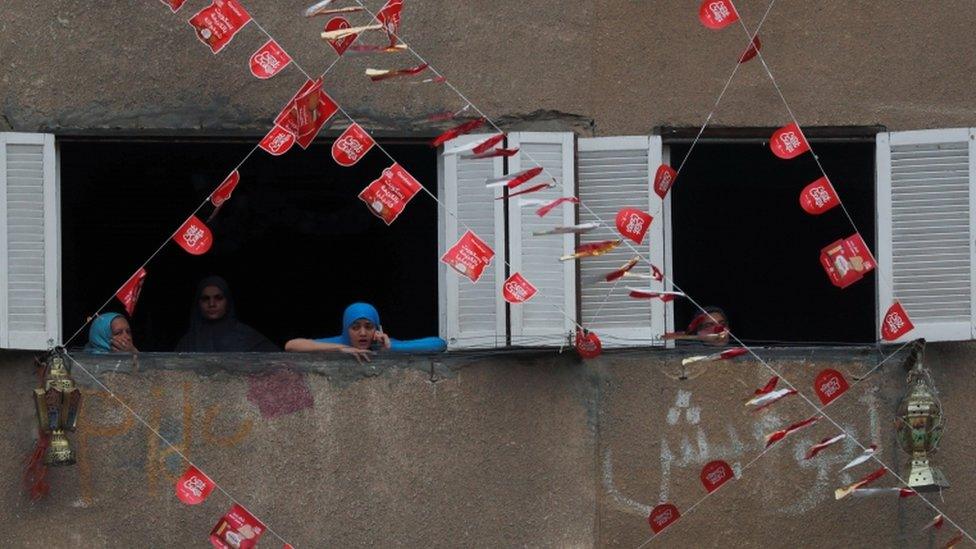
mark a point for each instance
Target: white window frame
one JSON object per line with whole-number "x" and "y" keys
{"x": 34, "y": 340}
{"x": 933, "y": 331}
{"x": 544, "y": 335}
{"x": 653, "y": 248}
{"x": 449, "y": 229}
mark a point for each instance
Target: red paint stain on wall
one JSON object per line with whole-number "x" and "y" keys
{"x": 279, "y": 392}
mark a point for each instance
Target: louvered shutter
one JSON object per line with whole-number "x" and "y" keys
{"x": 471, "y": 315}
{"x": 548, "y": 317}
{"x": 925, "y": 229}
{"x": 29, "y": 250}
{"x": 616, "y": 173}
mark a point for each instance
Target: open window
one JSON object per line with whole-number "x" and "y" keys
{"x": 294, "y": 242}
{"x": 742, "y": 242}
{"x": 30, "y": 305}
{"x": 926, "y": 215}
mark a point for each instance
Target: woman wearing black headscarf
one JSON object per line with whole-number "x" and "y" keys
{"x": 214, "y": 327}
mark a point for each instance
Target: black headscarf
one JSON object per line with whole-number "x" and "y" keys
{"x": 226, "y": 335}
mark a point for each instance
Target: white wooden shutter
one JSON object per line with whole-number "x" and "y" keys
{"x": 549, "y": 316}
{"x": 616, "y": 173}
{"x": 30, "y": 304}
{"x": 471, "y": 315}
{"x": 925, "y": 229}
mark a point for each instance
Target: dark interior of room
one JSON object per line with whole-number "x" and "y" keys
{"x": 742, "y": 242}
{"x": 294, "y": 242}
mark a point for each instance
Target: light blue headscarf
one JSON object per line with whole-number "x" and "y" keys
{"x": 358, "y": 311}
{"x": 100, "y": 334}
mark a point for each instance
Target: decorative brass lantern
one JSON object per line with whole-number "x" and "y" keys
{"x": 58, "y": 402}
{"x": 920, "y": 423}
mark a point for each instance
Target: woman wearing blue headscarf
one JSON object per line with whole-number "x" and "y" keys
{"x": 110, "y": 333}
{"x": 361, "y": 333}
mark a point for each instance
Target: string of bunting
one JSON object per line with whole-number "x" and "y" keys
{"x": 310, "y": 108}
{"x": 831, "y": 383}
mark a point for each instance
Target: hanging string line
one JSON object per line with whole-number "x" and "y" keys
{"x": 793, "y": 118}
{"x": 166, "y": 441}
{"x": 695, "y": 303}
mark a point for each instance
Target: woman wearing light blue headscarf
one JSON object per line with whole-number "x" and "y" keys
{"x": 110, "y": 333}
{"x": 361, "y": 333}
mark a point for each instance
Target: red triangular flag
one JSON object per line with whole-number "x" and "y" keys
{"x": 896, "y": 323}
{"x": 128, "y": 294}
{"x": 194, "y": 236}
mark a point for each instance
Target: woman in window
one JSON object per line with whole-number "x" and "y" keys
{"x": 110, "y": 333}
{"x": 710, "y": 327}
{"x": 214, "y": 327}
{"x": 362, "y": 334}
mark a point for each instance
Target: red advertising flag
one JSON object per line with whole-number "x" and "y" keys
{"x": 717, "y": 14}
{"x": 818, "y": 197}
{"x": 377, "y": 75}
{"x": 829, "y": 385}
{"x": 587, "y": 344}
{"x": 714, "y": 474}
{"x": 128, "y": 294}
{"x": 469, "y": 256}
{"x": 389, "y": 194}
{"x": 788, "y": 142}
{"x": 306, "y": 112}
{"x": 458, "y": 130}
{"x": 269, "y": 60}
{"x": 389, "y": 17}
{"x": 517, "y": 289}
{"x": 340, "y": 45}
{"x": 529, "y": 190}
{"x": 663, "y": 180}
{"x": 513, "y": 180}
{"x": 846, "y": 261}
{"x": 776, "y": 436}
{"x": 226, "y": 189}
{"x": 352, "y": 145}
{"x": 278, "y": 141}
{"x": 193, "y": 487}
{"x": 896, "y": 323}
{"x": 823, "y": 444}
{"x": 633, "y": 224}
{"x": 752, "y": 50}
{"x": 541, "y": 212}
{"x": 238, "y": 529}
{"x": 662, "y": 516}
{"x": 194, "y": 236}
{"x": 217, "y": 23}
{"x": 769, "y": 386}
{"x": 174, "y": 5}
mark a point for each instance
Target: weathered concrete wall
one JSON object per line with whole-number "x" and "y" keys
{"x": 604, "y": 68}
{"x": 532, "y": 449}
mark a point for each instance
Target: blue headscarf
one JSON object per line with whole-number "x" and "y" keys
{"x": 355, "y": 312}
{"x": 100, "y": 334}
{"x": 358, "y": 311}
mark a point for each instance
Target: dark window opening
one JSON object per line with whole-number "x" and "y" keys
{"x": 295, "y": 243}
{"x": 742, "y": 242}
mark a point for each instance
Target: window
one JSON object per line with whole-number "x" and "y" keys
{"x": 742, "y": 242}
{"x": 294, "y": 242}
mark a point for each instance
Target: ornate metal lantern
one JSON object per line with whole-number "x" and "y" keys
{"x": 58, "y": 403}
{"x": 920, "y": 423}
